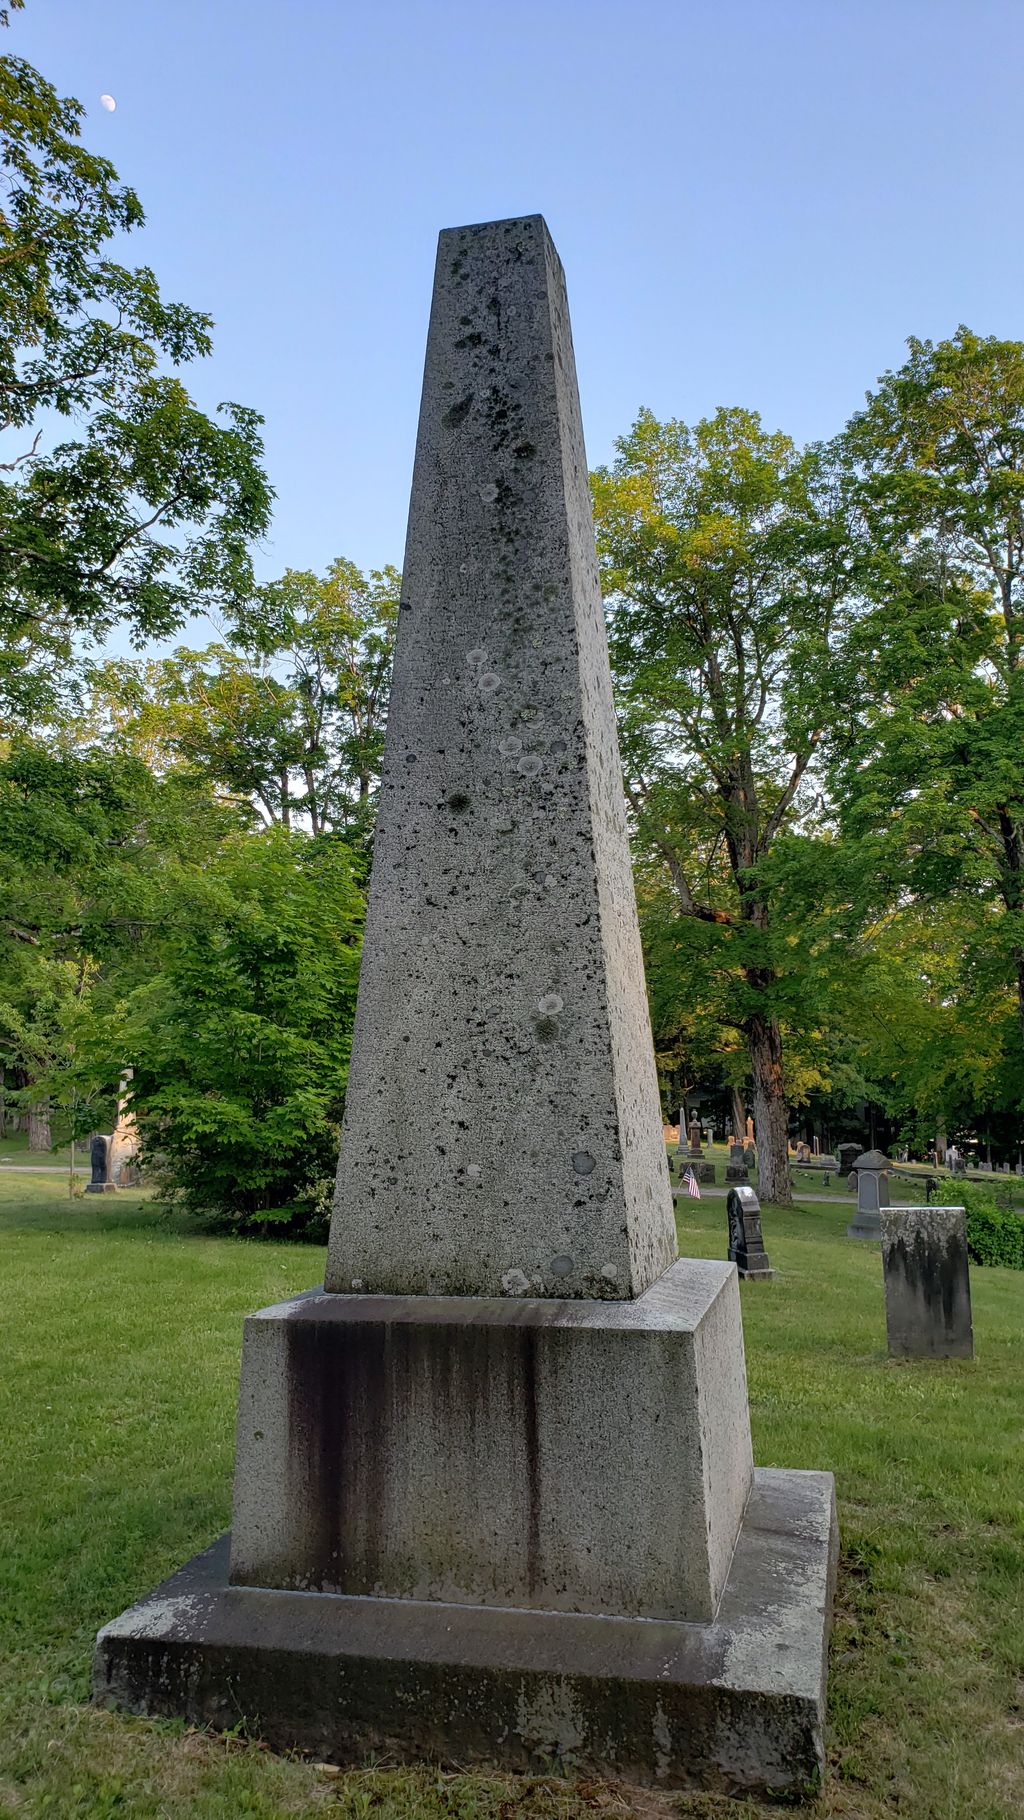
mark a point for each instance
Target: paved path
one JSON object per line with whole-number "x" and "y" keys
{"x": 41, "y": 1168}
{"x": 832, "y": 1200}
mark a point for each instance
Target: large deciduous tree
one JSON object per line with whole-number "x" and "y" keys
{"x": 928, "y": 759}
{"x": 242, "y": 1038}
{"x": 290, "y": 715}
{"x": 725, "y": 579}
{"x": 119, "y": 498}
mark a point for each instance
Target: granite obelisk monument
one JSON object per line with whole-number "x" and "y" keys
{"x": 512, "y": 1413}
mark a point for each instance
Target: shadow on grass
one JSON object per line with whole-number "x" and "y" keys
{"x": 48, "y": 1208}
{"x": 42, "y": 1205}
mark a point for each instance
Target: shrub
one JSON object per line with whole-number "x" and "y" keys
{"x": 243, "y": 1038}
{"x": 995, "y": 1235}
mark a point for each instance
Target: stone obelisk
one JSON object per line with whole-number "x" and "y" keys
{"x": 503, "y": 1133}
{"x": 511, "y": 1415}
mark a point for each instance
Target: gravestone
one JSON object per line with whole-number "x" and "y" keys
{"x": 750, "y": 1156}
{"x": 846, "y": 1156}
{"x": 512, "y": 1411}
{"x": 99, "y": 1161}
{"x": 694, "y": 1135}
{"x": 871, "y": 1169}
{"x": 746, "y": 1243}
{"x": 124, "y": 1140}
{"x": 750, "y": 1131}
{"x": 927, "y": 1282}
{"x": 736, "y": 1168}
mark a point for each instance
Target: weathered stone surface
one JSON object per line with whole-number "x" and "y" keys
{"x": 502, "y": 1124}
{"x": 846, "y": 1155}
{"x": 746, "y": 1243}
{"x": 737, "y": 1704}
{"x": 124, "y": 1139}
{"x": 927, "y": 1282}
{"x": 99, "y": 1160}
{"x": 872, "y": 1195}
{"x": 573, "y": 1456}
{"x": 509, "y": 1398}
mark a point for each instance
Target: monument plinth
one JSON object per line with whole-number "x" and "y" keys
{"x": 494, "y": 1493}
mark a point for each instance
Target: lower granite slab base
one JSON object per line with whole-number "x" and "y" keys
{"x": 737, "y": 1704}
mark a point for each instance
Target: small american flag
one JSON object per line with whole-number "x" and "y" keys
{"x": 690, "y": 1183}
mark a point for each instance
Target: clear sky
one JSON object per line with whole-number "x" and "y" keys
{"x": 756, "y": 201}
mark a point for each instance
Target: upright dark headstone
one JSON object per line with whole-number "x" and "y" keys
{"x": 927, "y": 1282}
{"x": 99, "y": 1159}
{"x": 694, "y": 1135}
{"x": 846, "y": 1155}
{"x": 746, "y": 1244}
{"x": 511, "y": 1412}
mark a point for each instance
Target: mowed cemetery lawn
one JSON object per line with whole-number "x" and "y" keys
{"x": 121, "y": 1342}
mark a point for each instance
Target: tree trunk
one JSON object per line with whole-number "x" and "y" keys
{"x": 771, "y": 1118}
{"x": 1018, "y": 967}
{"x": 1013, "y": 893}
{"x": 739, "y": 1116}
{"x": 3, "y": 1104}
{"x": 286, "y": 802}
{"x": 39, "y": 1126}
{"x": 311, "y": 807}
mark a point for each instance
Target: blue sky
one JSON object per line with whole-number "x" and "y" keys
{"x": 756, "y": 201}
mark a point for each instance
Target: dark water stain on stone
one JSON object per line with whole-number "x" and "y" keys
{"x": 458, "y": 412}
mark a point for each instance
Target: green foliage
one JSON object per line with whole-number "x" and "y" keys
{"x": 995, "y": 1234}
{"x": 925, "y": 768}
{"x": 290, "y": 715}
{"x": 241, "y": 1039}
{"x": 90, "y": 844}
{"x": 723, "y": 569}
{"x": 147, "y": 512}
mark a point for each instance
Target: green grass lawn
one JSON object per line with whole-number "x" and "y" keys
{"x": 14, "y": 1149}
{"x": 121, "y": 1340}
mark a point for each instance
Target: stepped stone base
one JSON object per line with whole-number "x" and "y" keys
{"x": 866, "y": 1224}
{"x": 735, "y": 1704}
{"x": 511, "y": 1451}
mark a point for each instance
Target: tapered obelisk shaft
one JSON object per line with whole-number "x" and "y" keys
{"x": 502, "y": 1129}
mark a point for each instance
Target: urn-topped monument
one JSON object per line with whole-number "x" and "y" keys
{"x": 494, "y": 1494}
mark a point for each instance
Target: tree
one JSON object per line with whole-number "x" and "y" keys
{"x": 926, "y": 764}
{"x": 242, "y": 1039}
{"x": 92, "y": 845}
{"x": 290, "y": 715}
{"x": 726, "y": 581}
{"x": 50, "y": 1041}
{"x": 148, "y": 510}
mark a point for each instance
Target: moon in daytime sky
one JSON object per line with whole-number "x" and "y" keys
{"x": 108, "y": 102}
